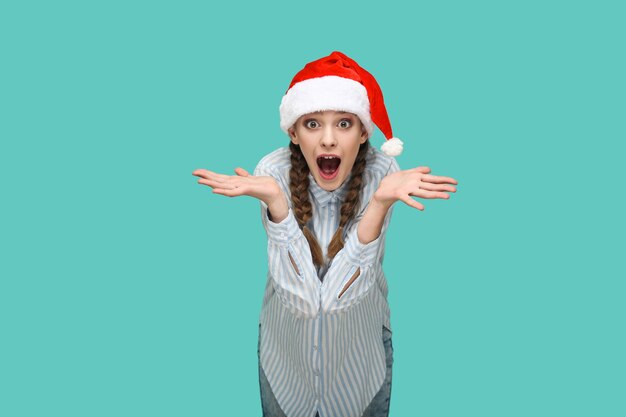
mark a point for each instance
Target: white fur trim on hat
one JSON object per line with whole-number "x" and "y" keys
{"x": 325, "y": 93}
{"x": 392, "y": 147}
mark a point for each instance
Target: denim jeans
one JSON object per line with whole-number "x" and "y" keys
{"x": 379, "y": 407}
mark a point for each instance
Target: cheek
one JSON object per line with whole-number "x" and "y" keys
{"x": 353, "y": 156}
{"x": 349, "y": 163}
{"x": 310, "y": 160}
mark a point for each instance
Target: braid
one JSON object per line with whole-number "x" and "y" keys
{"x": 299, "y": 187}
{"x": 350, "y": 205}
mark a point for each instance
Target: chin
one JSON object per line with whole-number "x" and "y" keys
{"x": 330, "y": 185}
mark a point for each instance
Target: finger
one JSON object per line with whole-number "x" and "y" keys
{"x": 437, "y": 187}
{"x": 242, "y": 172}
{"x": 429, "y": 194}
{"x": 210, "y": 183}
{"x": 409, "y": 201}
{"x": 217, "y": 184}
{"x": 205, "y": 173}
{"x": 438, "y": 179}
{"x": 216, "y": 176}
{"x": 228, "y": 192}
{"x": 423, "y": 170}
{"x": 200, "y": 173}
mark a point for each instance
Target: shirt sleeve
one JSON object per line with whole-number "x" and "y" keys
{"x": 354, "y": 268}
{"x": 289, "y": 259}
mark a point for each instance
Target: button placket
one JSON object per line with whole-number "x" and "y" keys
{"x": 316, "y": 355}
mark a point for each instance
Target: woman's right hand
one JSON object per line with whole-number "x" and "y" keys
{"x": 264, "y": 188}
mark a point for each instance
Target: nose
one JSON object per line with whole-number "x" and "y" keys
{"x": 328, "y": 140}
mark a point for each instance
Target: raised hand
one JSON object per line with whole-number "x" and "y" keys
{"x": 264, "y": 188}
{"x": 415, "y": 182}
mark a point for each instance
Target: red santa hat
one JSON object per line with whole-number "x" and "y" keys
{"x": 337, "y": 82}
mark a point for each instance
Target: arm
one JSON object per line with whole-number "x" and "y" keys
{"x": 354, "y": 268}
{"x": 290, "y": 263}
{"x": 290, "y": 259}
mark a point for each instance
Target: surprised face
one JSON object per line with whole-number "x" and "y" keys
{"x": 329, "y": 141}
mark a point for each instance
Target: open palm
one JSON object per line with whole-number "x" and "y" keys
{"x": 415, "y": 182}
{"x": 264, "y": 188}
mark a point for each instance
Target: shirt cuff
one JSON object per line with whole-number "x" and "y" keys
{"x": 358, "y": 253}
{"x": 284, "y": 232}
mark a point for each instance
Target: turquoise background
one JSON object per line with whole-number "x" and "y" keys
{"x": 127, "y": 289}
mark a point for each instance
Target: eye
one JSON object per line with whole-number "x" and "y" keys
{"x": 345, "y": 123}
{"x": 311, "y": 123}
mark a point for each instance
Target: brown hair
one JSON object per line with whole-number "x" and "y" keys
{"x": 299, "y": 187}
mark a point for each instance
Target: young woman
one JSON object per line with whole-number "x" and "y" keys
{"x": 326, "y": 200}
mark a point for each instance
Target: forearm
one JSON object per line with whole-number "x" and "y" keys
{"x": 372, "y": 222}
{"x": 274, "y": 198}
{"x": 278, "y": 208}
{"x": 352, "y": 273}
{"x": 290, "y": 264}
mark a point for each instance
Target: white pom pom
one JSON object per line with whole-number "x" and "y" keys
{"x": 392, "y": 147}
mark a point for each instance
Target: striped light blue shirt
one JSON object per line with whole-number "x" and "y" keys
{"x": 321, "y": 352}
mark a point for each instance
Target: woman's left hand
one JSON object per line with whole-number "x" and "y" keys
{"x": 415, "y": 182}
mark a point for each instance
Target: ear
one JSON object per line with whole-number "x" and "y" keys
{"x": 363, "y": 135}
{"x": 293, "y": 136}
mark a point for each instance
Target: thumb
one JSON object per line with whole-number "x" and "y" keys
{"x": 241, "y": 172}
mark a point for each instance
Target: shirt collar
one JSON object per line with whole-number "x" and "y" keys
{"x": 324, "y": 197}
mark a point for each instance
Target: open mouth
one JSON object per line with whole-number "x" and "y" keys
{"x": 328, "y": 165}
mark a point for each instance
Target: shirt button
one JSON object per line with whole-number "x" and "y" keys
{"x": 316, "y": 373}
{"x": 314, "y": 347}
